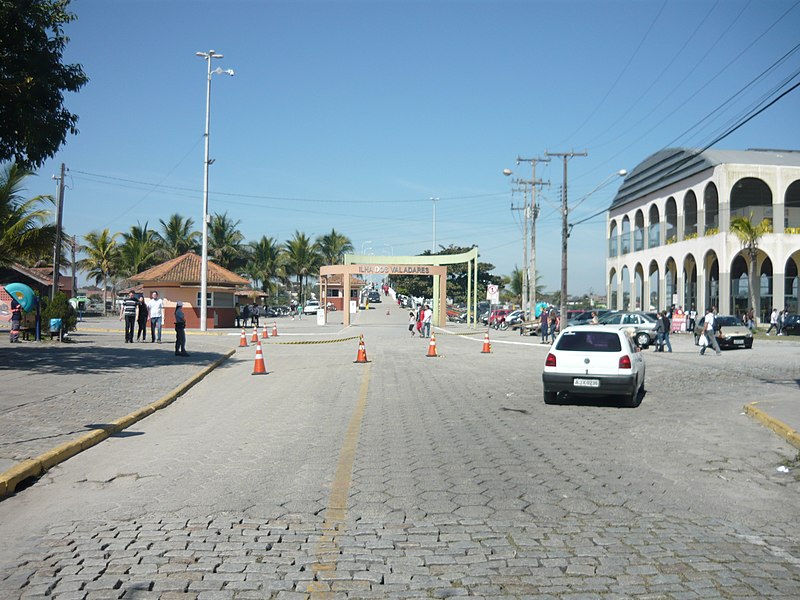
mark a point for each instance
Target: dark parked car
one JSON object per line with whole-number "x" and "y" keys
{"x": 374, "y": 297}
{"x": 791, "y": 325}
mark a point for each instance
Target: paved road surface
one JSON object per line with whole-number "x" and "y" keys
{"x": 416, "y": 477}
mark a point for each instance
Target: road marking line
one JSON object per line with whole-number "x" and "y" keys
{"x": 326, "y": 550}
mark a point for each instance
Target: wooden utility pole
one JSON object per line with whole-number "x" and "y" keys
{"x": 524, "y": 208}
{"x": 57, "y": 249}
{"x": 564, "y": 231}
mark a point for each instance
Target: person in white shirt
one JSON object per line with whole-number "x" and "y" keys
{"x": 708, "y": 331}
{"x": 773, "y": 321}
{"x": 155, "y": 309}
{"x": 427, "y": 315}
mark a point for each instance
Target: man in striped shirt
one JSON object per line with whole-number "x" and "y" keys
{"x": 128, "y": 310}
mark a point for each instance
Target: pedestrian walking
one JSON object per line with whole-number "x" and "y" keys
{"x": 155, "y": 307}
{"x": 237, "y": 315}
{"x": 254, "y": 314}
{"x": 709, "y": 332}
{"x": 412, "y": 322}
{"x": 427, "y": 315}
{"x": 553, "y": 325}
{"x": 128, "y": 312}
{"x": 667, "y": 324}
{"x": 780, "y": 322}
{"x": 16, "y": 321}
{"x": 180, "y": 330}
{"x": 773, "y": 321}
{"x": 141, "y": 319}
{"x": 692, "y": 314}
{"x": 543, "y": 321}
{"x": 659, "y": 346}
{"x": 245, "y": 315}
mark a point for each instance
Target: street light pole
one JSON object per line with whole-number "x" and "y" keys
{"x": 207, "y": 56}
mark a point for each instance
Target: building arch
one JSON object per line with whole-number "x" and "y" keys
{"x": 711, "y": 272}
{"x": 791, "y": 202}
{"x": 689, "y": 281}
{"x": 613, "y": 246}
{"x": 653, "y": 280}
{"x": 625, "y": 237}
{"x": 740, "y": 285}
{"x": 653, "y": 227}
{"x": 670, "y": 283}
{"x": 711, "y": 209}
{"x": 791, "y": 290}
{"x": 765, "y": 282}
{"x": 613, "y": 289}
{"x": 689, "y": 215}
{"x": 751, "y": 196}
{"x": 638, "y": 231}
{"x": 625, "y": 283}
{"x": 638, "y": 286}
{"x": 671, "y": 221}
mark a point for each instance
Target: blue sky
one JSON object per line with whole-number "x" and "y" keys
{"x": 352, "y": 114}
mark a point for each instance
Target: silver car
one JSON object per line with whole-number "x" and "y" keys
{"x": 642, "y": 324}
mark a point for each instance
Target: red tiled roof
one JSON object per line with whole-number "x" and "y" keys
{"x": 44, "y": 275}
{"x": 186, "y": 269}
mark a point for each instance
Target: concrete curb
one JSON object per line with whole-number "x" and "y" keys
{"x": 779, "y": 427}
{"x": 35, "y": 467}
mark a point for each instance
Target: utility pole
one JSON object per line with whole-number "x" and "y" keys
{"x": 534, "y": 213}
{"x": 524, "y": 207}
{"x": 564, "y": 231}
{"x": 57, "y": 249}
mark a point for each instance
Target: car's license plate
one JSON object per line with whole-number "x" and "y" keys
{"x": 578, "y": 382}
{"x": 739, "y": 342}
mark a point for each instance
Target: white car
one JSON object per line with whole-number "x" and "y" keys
{"x": 311, "y": 307}
{"x": 593, "y": 360}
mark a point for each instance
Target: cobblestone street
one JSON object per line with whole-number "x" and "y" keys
{"x": 416, "y": 477}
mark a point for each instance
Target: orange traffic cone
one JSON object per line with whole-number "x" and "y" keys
{"x": 432, "y": 347}
{"x": 254, "y": 339}
{"x": 361, "y": 357}
{"x": 264, "y": 334}
{"x": 259, "y": 368}
{"x": 487, "y": 347}
{"x": 243, "y": 340}
{"x": 274, "y": 329}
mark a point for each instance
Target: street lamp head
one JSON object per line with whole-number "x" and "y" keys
{"x": 622, "y": 172}
{"x": 221, "y": 71}
{"x": 508, "y": 172}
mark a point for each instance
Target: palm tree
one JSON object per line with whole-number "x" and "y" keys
{"x": 302, "y": 259}
{"x": 139, "y": 250}
{"x": 225, "y": 242}
{"x": 749, "y": 235}
{"x": 266, "y": 263}
{"x": 177, "y": 236}
{"x": 333, "y": 246}
{"x": 102, "y": 257}
{"x": 24, "y": 233}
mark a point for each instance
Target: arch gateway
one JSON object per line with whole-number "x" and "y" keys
{"x": 434, "y": 265}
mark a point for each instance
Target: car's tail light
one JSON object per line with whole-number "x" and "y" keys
{"x": 625, "y": 362}
{"x": 550, "y": 361}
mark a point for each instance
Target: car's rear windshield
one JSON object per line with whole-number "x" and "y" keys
{"x": 589, "y": 341}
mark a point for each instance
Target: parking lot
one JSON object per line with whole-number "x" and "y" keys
{"x": 416, "y": 477}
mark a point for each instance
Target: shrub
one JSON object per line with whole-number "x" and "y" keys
{"x": 59, "y": 308}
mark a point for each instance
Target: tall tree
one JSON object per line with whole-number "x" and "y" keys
{"x": 177, "y": 236}
{"x": 101, "y": 258}
{"x": 24, "y": 234}
{"x": 302, "y": 259}
{"x": 749, "y": 235}
{"x": 266, "y": 263}
{"x": 33, "y": 121}
{"x": 333, "y": 246}
{"x": 139, "y": 250}
{"x": 225, "y": 242}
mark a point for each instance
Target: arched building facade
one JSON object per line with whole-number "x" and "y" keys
{"x": 669, "y": 238}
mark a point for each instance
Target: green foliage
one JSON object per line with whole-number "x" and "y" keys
{"x": 33, "y": 121}
{"x": 25, "y": 233}
{"x": 422, "y": 285}
{"x": 333, "y": 246}
{"x": 59, "y": 308}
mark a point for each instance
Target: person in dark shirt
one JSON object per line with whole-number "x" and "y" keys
{"x": 141, "y": 319}
{"x": 128, "y": 311}
{"x": 180, "y": 330}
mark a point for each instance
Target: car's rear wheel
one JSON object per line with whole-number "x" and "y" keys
{"x": 634, "y": 399}
{"x": 642, "y": 339}
{"x": 550, "y": 398}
